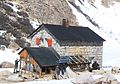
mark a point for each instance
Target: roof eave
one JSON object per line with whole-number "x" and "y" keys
{"x": 34, "y": 32}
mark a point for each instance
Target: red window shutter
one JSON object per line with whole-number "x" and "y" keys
{"x": 49, "y": 42}
{"x": 37, "y": 41}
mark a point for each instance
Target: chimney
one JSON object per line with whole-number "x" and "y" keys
{"x": 65, "y": 23}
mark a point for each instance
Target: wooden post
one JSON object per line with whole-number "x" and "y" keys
{"x": 50, "y": 71}
{"x": 40, "y": 74}
{"x": 20, "y": 67}
{"x": 20, "y": 64}
{"x": 25, "y": 65}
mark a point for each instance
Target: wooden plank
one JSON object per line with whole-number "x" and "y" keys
{"x": 40, "y": 75}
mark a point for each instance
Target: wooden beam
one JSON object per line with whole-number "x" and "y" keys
{"x": 75, "y": 64}
{"x": 25, "y": 65}
{"x": 40, "y": 74}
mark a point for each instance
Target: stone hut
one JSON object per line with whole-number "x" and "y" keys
{"x": 69, "y": 40}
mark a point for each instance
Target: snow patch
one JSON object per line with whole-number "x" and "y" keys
{"x": 14, "y": 7}
{"x": 35, "y": 24}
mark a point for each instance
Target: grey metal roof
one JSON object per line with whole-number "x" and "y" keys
{"x": 71, "y": 33}
{"x": 44, "y": 56}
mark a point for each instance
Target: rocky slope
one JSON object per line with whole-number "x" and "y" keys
{"x": 16, "y": 24}
{"x": 105, "y": 3}
{"x": 48, "y": 11}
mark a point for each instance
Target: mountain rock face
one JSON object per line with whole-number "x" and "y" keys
{"x": 48, "y": 11}
{"x": 106, "y": 3}
{"x": 14, "y": 25}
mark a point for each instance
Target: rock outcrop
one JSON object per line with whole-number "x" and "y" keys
{"x": 48, "y": 11}
{"x": 6, "y": 65}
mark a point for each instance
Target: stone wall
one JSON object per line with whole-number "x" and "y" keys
{"x": 86, "y": 51}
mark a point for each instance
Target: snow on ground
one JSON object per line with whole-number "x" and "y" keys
{"x": 8, "y": 69}
{"x": 64, "y": 81}
{"x": 117, "y": 77}
{"x": 8, "y": 55}
{"x": 111, "y": 54}
{"x": 96, "y": 76}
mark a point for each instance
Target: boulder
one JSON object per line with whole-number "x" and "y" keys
{"x": 6, "y": 65}
{"x": 4, "y": 74}
{"x": 115, "y": 70}
{"x": 15, "y": 78}
{"x": 83, "y": 79}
